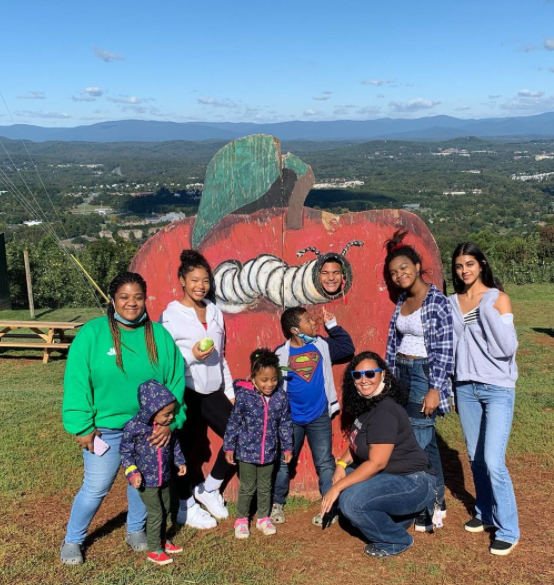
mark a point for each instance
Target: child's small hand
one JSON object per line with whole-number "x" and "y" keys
{"x": 136, "y": 480}
{"x": 230, "y": 458}
{"x": 288, "y": 457}
{"x": 182, "y": 470}
{"x": 327, "y": 316}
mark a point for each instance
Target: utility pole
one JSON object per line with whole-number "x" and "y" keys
{"x": 29, "y": 283}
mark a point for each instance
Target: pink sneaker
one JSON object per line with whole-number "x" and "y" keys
{"x": 265, "y": 526}
{"x": 241, "y": 528}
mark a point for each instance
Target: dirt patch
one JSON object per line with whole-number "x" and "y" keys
{"x": 542, "y": 339}
{"x": 451, "y": 556}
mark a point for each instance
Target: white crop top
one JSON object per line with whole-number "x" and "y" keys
{"x": 411, "y": 329}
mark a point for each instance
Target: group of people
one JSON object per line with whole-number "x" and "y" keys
{"x": 135, "y": 393}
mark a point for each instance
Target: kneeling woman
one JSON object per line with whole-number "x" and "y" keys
{"x": 384, "y": 477}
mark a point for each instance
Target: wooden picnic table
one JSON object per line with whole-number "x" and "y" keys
{"x": 50, "y": 336}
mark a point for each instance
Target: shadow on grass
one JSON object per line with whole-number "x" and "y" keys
{"x": 454, "y": 478}
{"x": 545, "y": 331}
{"x": 44, "y": 312}
{"x": 107, "y": 528}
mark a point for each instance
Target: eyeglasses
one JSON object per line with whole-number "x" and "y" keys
{"x": 369, "y": 374}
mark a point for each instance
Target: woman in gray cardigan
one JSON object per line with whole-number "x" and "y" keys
{"x": 485, "y": 375}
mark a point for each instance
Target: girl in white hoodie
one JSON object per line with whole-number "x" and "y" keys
{"x": 209, "y": 392}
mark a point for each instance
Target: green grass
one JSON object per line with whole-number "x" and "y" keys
{"x": 42, "y": 471}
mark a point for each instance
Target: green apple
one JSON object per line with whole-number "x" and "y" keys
{"x": 205, "y": 344}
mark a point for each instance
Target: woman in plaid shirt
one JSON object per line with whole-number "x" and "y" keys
{"x": 420, "y": 352}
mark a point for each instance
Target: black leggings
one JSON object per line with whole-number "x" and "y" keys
{"x": 214, "y": 409}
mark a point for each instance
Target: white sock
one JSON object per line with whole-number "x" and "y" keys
{"x": 211, "y": 484}
{"x": 189, "y": 503}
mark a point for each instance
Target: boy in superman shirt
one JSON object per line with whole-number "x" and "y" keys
{"x": 312, "y": 396}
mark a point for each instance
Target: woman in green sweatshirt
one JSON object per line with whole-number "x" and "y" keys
{"x": 110, "y": 357}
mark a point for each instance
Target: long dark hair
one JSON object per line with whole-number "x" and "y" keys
{"x": 471, "y": 249}
{"x": 120, "y": 280}
{"x": 396, "y": 247}
{"x": 354, "y": 405}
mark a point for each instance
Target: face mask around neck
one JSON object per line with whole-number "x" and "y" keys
{"x": 305, "y": 338}
{"x": 376, "y": 392}
{"x": 124, "y": 321}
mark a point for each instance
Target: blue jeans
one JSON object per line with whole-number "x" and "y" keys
{"x": 383, "y": 505}
{"x": 320, "y": 440}
{"x": 486, "y": 413}
{"x": 100, "y": 473}
{"x": 414, "y": 374}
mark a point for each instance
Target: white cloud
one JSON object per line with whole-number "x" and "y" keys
{"x": 413, "y": 105}
{"x": 33, "y": 95}
{"x": 311, "y": 112}
{"x": 377, "y": 82}
{"x": 495, "y": 96}
{"x": 224, "y": 103}
{"x": 129, "y": 100}
{"x": 321, "y": 98}
{"x": 107, "y": 56}
{"x": 462, "y": 109}
{"x": 93, "y": 91}
{"x": 549, "y": 44}
{"x": 535, "y": 105}
{"x": 527, "y": 93}
{"x": 368, "y": 111}
{"x": 42, "y": 114}
{"x": 89, "y": 94}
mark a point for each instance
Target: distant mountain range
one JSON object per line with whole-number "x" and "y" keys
{"x": 430, "y": 128}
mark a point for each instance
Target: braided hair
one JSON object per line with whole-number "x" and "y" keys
{"x": 354, "y": 405}
{"x": 263, "y": 358}
{"x": 396, "y": 247}
{"x": 120, "y": 280}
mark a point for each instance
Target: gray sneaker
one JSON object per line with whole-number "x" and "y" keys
{"x": 317, "y": 520}
{"x": 71, "y": 553}
{"x": 137, "y": 541}
{"x": 277, "y": 514}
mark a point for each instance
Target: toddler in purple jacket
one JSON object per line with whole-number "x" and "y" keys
{"x": 148, "y": 468}
{"x": 258, "y": 429}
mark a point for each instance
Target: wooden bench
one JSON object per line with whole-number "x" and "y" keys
{"x": 44, "y": 331}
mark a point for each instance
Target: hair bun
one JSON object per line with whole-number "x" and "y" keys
{"x": 396, "y": 241}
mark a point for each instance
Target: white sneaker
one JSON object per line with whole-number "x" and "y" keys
{"x": 213, "y": 501}
{"x": 265, "y": 526}
{"x": 196, "y": 517}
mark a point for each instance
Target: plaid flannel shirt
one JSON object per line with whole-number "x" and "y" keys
{"x": 438, "y": 333}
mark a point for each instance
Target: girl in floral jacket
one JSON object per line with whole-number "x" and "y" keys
{"x": 258, "y": 429}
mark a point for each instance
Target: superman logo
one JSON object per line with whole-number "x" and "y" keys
{"x": 305, "y": 364}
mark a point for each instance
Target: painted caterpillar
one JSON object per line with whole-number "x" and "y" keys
{"x": 237, "y": 285}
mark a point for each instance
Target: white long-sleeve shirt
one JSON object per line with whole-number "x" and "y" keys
{"x": 203, "y": 376}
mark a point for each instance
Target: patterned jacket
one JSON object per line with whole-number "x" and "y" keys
{"x": 137, "y": 456}
{"x": 256, "y": 425}
{"x": 438, "y": 333}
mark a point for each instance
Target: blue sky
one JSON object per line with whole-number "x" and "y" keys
{"x": 70, "y": 63}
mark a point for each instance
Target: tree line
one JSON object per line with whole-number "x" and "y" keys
{"x": 57, "y": 282}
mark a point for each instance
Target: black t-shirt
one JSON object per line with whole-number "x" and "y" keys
{"x": 388, "y": 423}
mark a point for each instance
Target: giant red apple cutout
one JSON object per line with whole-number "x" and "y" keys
{"x": 256, "y": 234}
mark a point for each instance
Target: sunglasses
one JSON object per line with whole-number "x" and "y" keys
{"x": 369, "y": 374}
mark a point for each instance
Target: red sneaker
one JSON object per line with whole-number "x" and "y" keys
{"x": 171, "y": 548}
{"x": 159, "y": 557}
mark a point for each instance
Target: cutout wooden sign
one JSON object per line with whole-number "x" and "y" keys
{"x": 269, "y": 252}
